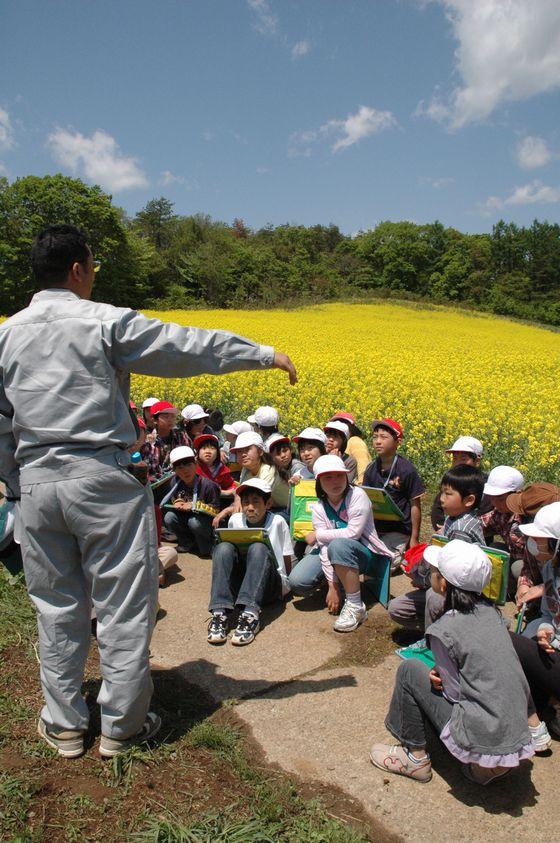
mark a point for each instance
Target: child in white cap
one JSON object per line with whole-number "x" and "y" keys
{"x": 540, "y": 656}
{"x": 499, "y": 521}
{"x": 251, "y": 577}
{"x": 338, "y": 434}
{"x": 476, "y": 697}
{"x": 466, "y": 450}
{"x": 311, "y": 444}
{"x": 264, "y": 421}
{"x": 345, "y": 533}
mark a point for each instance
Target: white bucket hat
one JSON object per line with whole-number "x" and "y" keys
{"x": 467, "y": 445}
{"x": 503, "y": 479}
{"x": 193, "y": 412}
{"x": 264, "y": 417}
{"x": 462, "y": 564}
{"x": 244, "y": 440}
{"x": 546, "y": 524}
{"x": 329, "y": 463}
{"x": 183, "y": 452}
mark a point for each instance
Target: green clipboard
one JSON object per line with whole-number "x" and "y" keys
{"x": 496, "y": 589}
{"x": 302, "y": 495}
{"x": 165, "y": 478}
{"x": 383, "y": 505}
{"x": 242, "y": 537}
{"x": 424, "y": 654}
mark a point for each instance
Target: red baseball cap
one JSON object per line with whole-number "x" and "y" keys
{"x": 162, "y": 407}
{"x": 141, "y": 424}
{"x": 340, "y": 414}
{"x": 205, "y": 437}
{"x": 389, "y": 424}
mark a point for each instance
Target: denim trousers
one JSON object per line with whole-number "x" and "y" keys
{"x": 240, "y": 579}
{"x": 353, "y": 554}
{"x": 192, "y": 530}
{"x": 307, "y": 574}
{"x": 412, "y": 702}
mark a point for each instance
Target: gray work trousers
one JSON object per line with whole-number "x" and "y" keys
{"x": 416, "y": 610}
{"x": 85, "y": 540}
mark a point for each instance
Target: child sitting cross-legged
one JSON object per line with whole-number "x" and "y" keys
{"x": 460, "y": 495}
{"x": 476, "y": 697}
{"x": 348, "y": 542}
{"x": 260, "y": 572}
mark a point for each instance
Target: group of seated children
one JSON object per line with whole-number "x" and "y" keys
{"x": 485, "y": 702}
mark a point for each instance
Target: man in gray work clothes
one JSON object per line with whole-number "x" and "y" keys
{"x": 86, "y": 525}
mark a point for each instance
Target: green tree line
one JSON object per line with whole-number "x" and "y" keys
{"x": 163, "y": 260}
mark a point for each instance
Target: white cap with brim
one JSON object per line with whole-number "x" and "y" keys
{"x": 254, "y": 483}
{"x": 329, "y": 463}
{"x": 546, "y": 524}
{"x": 264, "y": 417}
{"x": 244, "y": 440}
{"x": 237, "y": 427}
{"x": 339, "y": 426}
{"x": 183, "y": 452}
{"x": 312, "y": 434}
{"x": 466, "y": 445}
{"x": 149, "y": 402}
{"x": 502, "y": 480}
{"x": 193, "y": 412}
{"x": 462, "y": 564}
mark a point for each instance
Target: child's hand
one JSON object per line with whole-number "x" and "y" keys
{"x": 435, "y": 679}
{"x": 544, "y": 637}
{"x": 333, "y": 598}
{"x": 183, "y": 504}
{"x": 311, "y": 538}
{"x": 525, "y": 594}
{"x": 293, "y": 481}
{"x": 223, "y": 457}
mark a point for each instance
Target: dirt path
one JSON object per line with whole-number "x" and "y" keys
{"x": 318, "y": 721}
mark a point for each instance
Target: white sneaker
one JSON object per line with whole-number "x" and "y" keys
{"x": 350, "y": 617}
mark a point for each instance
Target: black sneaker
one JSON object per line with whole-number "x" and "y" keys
{"x": 247, "y": 627}
{"x": 217, "y": 628}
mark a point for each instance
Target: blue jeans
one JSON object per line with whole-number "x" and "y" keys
{"x": 352, "y": 554}
{"x": 307, "y": 575}
{"x": 192, "y": 530}
{"x": 248, "y": 580}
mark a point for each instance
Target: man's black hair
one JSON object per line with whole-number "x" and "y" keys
{"x": 252, "y": 490}
{"x": 467, "y": 480}
{"x": 55, "y": 250}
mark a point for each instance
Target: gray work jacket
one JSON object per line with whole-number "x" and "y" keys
{"x": 65, "y": 366}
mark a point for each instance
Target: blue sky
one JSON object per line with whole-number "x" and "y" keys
{"x": 303, "y": 111}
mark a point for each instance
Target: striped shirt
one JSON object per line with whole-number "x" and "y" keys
{"x": 467, "y": 527}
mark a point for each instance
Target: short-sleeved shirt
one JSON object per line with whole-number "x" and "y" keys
{"x": 203, "y": 489}
{"x": 402, "y": 482}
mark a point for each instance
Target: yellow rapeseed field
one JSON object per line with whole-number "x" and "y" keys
{"x": 441, "y": 373}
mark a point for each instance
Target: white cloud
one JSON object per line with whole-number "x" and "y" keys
{"x": 533, "y": 152}
{"x": 535, "y": 192}
{"x": 98, "y": 158}
{"x": 301, "y": 48}
{"x": 262, "y": 171}
{"x": 6, "y": 132}
{"x": 508, "y": 50}
{"x": 266, "y": 22}
{"x": 167, "y": 177}
{"x": 366, "y": 121}
{"x": 437, "y": 183}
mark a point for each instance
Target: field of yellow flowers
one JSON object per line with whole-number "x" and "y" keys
{"x": 441, "y": 373}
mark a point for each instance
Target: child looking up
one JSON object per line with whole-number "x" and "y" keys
{"x": 348, "y": 542}
{"x": 209, "y": 464}
{"x": 476, "y": 697}
{"x": 461, "y": 493}
{"x": 192, "y": 528}
{"x": 260, "y": 571}
{"x": 399, "y": 478}
{"x": 356, "y": 445}
{"x": 338, "y": 433}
